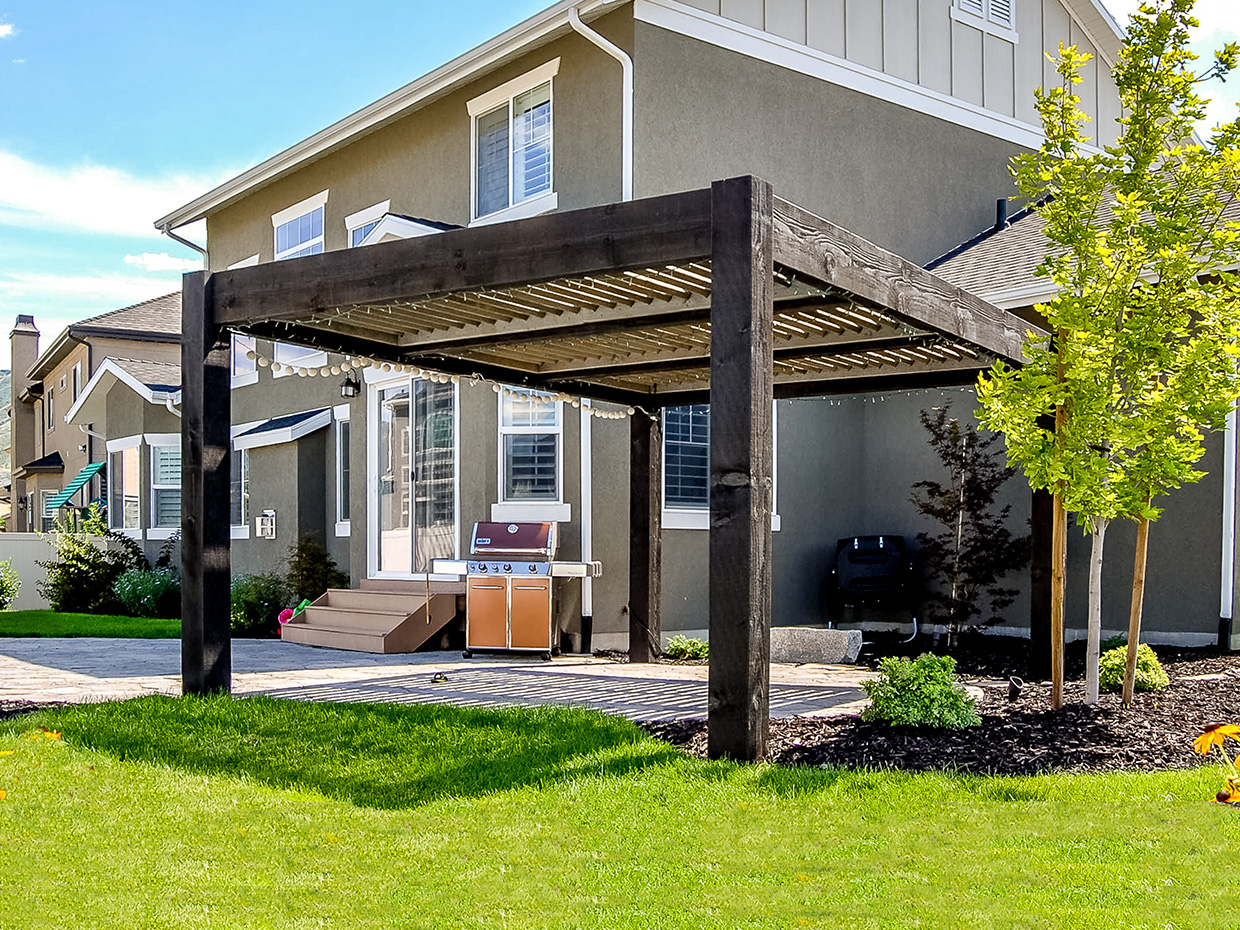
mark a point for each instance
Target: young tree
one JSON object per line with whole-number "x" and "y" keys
{"x": 1143, "y": 359}
{"x": 975, "y": 549}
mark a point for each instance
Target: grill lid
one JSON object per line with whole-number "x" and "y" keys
{"x": 514, "y": 540}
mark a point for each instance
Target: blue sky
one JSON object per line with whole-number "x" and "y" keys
{"x": 114, "y": 113}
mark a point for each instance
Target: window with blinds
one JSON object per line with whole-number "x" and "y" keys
{"x": 530, "y": 430}
{"x": 513, "y": 151}
{"x": 686, "y": 457}
{"x": 165, "y": 486}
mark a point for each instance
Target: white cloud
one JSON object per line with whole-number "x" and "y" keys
{"x": 6, "y": 30}
{"x": 116, "y": 289}
{"x": 162, "y": 261}
{"x": 89, "y": 198}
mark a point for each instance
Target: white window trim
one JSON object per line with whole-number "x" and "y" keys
{"x": 356, "y": 220}
{"x": 340, "y": 414}
{"x": 299, "y": 209}
{"x": 121, "y": 445}
{"x": 154, "y": 440}
{"x": 374, "y": 385}
{"x": 247, "y": 377}
{"x": 399, "y": 227}
{"x": 548, "y": 505}
{"x": 985, "y": 23}
{"x": 78, "y": 384}
{"x": 484, "y": 103}
{"x": 695, "y": 518}
{"x": 313, "y": 358}
{"x": 127, "y": 442}
{"x": 240, "y": 530}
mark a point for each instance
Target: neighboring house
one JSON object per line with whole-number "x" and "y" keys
{"x": 56, "y": 462}
{"x": 895, "y": 119}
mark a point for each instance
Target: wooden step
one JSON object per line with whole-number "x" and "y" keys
{"x": 409, "y": 586}
{"x": 344, "y": 619}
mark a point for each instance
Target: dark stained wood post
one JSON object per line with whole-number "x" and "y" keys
{"x": 1042, "y": 518}
{"x": 741, "y": 395}
{"x": 646, "y": 536}
{"x": 206, "y": 649}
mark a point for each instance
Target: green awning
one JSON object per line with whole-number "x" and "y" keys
{"x": 76, "y": 484}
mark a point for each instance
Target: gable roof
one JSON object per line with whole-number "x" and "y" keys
{"x": 154, "y": 320}
{"x": 154, "y": 382}
{"x": 1099, "y": 26}
{"x": 287, "y": 428}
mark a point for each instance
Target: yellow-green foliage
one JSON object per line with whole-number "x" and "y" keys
{"x": 1150, "y": 673}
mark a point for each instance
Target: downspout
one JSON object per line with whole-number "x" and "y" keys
{"x": 1227, "y": 577}
{"x": 587, "y": 424}
{"x": 171, "y": 409}
{"x": 167, "y": 231}
{"x": 626, "y": 99}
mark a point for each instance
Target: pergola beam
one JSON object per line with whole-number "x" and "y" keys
{"x": 617, "y": 237}
{"x": 809, "y": 245}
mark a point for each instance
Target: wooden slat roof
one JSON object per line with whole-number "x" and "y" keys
{"x": 614, "y": 302}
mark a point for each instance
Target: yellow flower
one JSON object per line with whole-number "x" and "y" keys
{"x": 1215, "y": 736}
{"x": 7, "y": 752}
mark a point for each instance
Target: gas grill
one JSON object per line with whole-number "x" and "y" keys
{"x": 508, "y": 587}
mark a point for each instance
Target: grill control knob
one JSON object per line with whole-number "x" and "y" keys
{"x": 507, "y": 567}
{"x": 533, "y": 569}
{"x": 482, "y": 567}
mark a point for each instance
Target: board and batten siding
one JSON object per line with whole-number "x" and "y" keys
{"x": 923, "y": 43}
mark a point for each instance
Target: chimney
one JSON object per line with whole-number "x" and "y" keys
{"x": 24, "y": 340}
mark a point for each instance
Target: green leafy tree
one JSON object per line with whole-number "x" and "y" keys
{"x": 1145, "y": 322}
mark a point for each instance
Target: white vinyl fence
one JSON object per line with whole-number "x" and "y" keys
{"x": 24, "y": 550}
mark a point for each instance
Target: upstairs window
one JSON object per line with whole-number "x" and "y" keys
{"x": 529, "y": 442}
{"x": 299, "y": 229}
{"x": 359, "y": 225}
{"x": 1000, "y": 12}
{"x": 513, "y": 142}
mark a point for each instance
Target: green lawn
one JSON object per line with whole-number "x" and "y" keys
{"x": 255, "y": 813}
{"x": 51, "y": 623}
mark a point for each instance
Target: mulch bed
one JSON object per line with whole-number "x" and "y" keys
{"x": 1024, "y": 736}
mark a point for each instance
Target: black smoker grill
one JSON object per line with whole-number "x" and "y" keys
{"x": 508, "y": 587}
{"x": 870, "y": 570}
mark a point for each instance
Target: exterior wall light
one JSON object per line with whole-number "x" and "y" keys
{"x": 350, "y": 387}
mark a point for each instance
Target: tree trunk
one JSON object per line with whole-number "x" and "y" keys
{"x": 1134, "y": 616}
{"x": 1093, "y": 643}
{"x": 1059, "y": 552}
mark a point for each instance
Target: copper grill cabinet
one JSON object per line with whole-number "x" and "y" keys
{"x": 508, "y": 602}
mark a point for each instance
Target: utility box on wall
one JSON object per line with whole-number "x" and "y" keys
{"x": 265, "y": 525}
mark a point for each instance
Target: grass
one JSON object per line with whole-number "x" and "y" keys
{"x": 52, "y": 623}
{"x": 256, "y": 813}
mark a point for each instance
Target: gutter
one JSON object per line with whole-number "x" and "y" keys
{"x": 206, "y": 260}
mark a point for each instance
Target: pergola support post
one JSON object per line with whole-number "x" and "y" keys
{"x": 741, "y": 399}
{"x": 206, "y": 649}
{"x": 645, "y": 536}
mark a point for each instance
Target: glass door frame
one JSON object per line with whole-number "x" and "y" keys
{"x": 377, "y": 381}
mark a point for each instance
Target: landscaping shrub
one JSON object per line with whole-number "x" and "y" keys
{"x": 81, "y": 578}
{"x": 10, "y": 584}
{"x": 312, "y": 570}
{"x": 921, "y": 692}
{"x": 256, "y": 603}
{"x": 682, "y": 647}
{"x": 156, "y": 593}
{"x": 1150, "y": 674}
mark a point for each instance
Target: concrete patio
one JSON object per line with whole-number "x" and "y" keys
{"x": 83, "y": 670}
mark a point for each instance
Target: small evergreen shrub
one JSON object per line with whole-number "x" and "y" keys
{"x": 1114, "y": 642}
{"x": 156, "y": 593}
{"x": 256, "y": 602}
{"x": 1150, "y": 674}
{"x": 312, "y": 570}
{"x": 921, "y": 692}
{"x": 10, "y": 584}
{"x": 682, "y": 647}
{"x": 81, "y": 578}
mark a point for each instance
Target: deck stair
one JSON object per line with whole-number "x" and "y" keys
{"x": 383, "y": 616}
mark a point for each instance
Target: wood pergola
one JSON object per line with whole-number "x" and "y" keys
{"x": 730, "y": 296}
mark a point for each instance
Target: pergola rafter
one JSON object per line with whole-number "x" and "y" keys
{"x": 730, "y": 296}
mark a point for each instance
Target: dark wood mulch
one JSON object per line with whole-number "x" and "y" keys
{"x": 1024, "y": 736}
{"x": 17, "y": 708}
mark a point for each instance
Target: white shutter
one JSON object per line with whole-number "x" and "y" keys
{"x": 1003, "y": 12}
{"x": 971, "y": 6}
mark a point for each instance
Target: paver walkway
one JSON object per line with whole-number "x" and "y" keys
{"x": 78, "y": 670}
